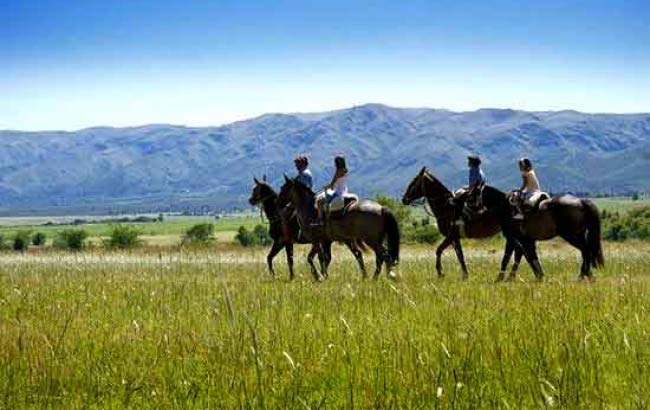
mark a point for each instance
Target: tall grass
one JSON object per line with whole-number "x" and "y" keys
{"x": 202, "y": 331}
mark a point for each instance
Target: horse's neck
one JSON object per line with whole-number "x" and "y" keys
{"x": 270, "y": 207}
{"x": 437, "y": 196}
{"x": 305, "y": 208}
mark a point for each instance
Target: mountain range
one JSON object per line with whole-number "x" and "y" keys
{"x": 165, "y": 167}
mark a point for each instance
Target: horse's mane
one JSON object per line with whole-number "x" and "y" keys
{"x": 436, "y": 181}
{"x": 302, "y": 186}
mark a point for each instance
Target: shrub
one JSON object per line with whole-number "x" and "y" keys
{"x": 258, "y": 236}
{"x": 200, "y": 233}
{"x": 262, "y": 236}
{"x": 422, "y": 234}
{"x": 71, "y": 239}
{"x": 21, "y": 241}
{"x": 123, "y": 237}
{"x": 633, "y": 225}
{"x": 39, "y": 239}
{"x": 245, "y": 237}
{"x": 3, "y": 243}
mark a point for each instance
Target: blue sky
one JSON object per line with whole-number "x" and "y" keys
{"x": 74, "y": 64}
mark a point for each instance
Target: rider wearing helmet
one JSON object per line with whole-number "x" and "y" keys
{"x": 304, "y": 174}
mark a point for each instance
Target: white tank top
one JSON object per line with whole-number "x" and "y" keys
{"x": 532, "y": 183}
{"x": 341, "y": 187}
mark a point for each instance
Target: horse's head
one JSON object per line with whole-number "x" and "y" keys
{"x": 415, "y": 190}
{"x": 261, "y": 192}
{"x": 293, "y": 191}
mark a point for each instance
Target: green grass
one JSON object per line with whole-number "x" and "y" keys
{"x": 212, "y": 330}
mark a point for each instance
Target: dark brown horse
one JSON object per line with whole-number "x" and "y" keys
{"x": 265, "y": 196}
{"x": 440, "y": 200}
{"x": 364, "y": 222}
{"x": 575, "y": 220}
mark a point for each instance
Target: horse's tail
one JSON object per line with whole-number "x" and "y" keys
{"x": 392, "y": 234}
{"x": 592, "y": 220}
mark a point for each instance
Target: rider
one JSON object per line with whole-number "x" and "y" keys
{"x": 304, "y": 174}
{"x": 530, "y": 190}
{"x": 335, "y": 191}
{"x": 476, "y": 179}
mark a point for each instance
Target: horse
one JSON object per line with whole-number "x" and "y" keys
{"x": 265, "y": 195}
{"x": 365, "y": 222}
{"x": 440, "y": 200}
{"x": 575, "y": 220}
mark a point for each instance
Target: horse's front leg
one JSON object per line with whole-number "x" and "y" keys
{"x": 277, "y": 247}
{"x": 315, "y": 248}
{"x": 325, "y": 257}
{"x": 441, "y": 248}
{"x": 288, "y": 248}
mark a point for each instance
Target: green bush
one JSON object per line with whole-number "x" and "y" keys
{"x": 259, "y": 236}
{"x": 202, "y": 233}
{"x": 633, "y": 225}
{"x": 39, "y": 239}
{"x": 21, "y": 241}
{"x": 123, "y": 237}
{"x": 3, "y": 243}
{"x": 71, "y": 239}
{"x": 422, "y": 234}
{"x": 402, "y": 212}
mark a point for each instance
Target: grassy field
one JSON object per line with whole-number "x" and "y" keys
{"x": 210, "y": 329}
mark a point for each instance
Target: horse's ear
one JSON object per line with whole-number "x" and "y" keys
{"x": 264, "y": 177}
{"x": 257, "y": 182}
{"x": 423, "y": 170}
{"x": 286, "y": 178}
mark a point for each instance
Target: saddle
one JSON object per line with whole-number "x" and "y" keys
{"x": 530, "y": 206}
{"x": 340, "y": 208}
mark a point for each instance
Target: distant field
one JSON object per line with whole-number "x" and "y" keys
{"x": 620, "y": 204}
{"x": 166, "y": 232}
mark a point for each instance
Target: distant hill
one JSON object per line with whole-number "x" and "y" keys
{"x": 158, "y": 166}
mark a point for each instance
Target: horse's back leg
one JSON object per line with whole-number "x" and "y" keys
{"x": 580, "y": 242}
{"x": 275, "y": 248}
{"x": 288, "y": 248}
{"x": 515, "y": 265}
{"x": 461, "y": 258}
{"x": 358, "y": 255}
{"x": 379, "y": 259}
{"x": 505, "y": 260}
{"x": 439, "y": 250}
{"x": 529, "y": 248}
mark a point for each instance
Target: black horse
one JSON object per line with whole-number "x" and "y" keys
{"x": 285, "y": 231}
{"x": 575, "y": 220}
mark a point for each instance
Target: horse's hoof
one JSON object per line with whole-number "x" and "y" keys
{"x": 392, "y": 275}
